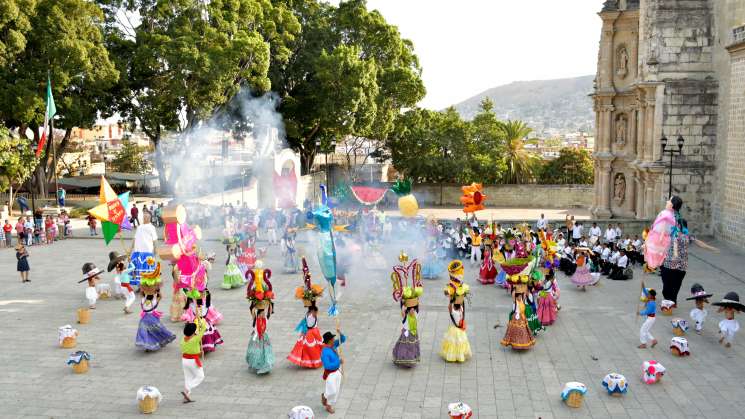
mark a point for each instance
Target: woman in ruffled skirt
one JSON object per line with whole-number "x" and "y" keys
{"x": 232, "y": 278}
{"x": 151, "y": 334}
{"x": 518, "y": 335}
{"x": 211, "y": 338}
{"x": 307, "y": 350}
{"x": 582, "y": 277}
{"x": 455, "y": 345}
{"x": 259, "y": 354}
{"x": 406, "y": 351}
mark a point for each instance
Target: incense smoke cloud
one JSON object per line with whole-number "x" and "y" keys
{"x": 197, "y": 163}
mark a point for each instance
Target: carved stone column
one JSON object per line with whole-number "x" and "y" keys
{"x": 649, "y": 130}
{"x": 630, "y": 201}
{"x": 639, "y": 186}
{"x": 604, "y": 188}
{"x": 606, "y": 117}
{"x": 640, "y": 124}
{"x": 631, "y": 132}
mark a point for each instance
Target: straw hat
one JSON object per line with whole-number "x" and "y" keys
{"x": 731, "y": 300}
{"x": 697, "y": 292}
{"x": 89, "y": 271}
{"x": 114, "y": 259}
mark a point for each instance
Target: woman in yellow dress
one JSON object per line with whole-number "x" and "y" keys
{"x": 455, "y": 345}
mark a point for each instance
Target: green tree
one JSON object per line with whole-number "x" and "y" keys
{"x": 14, "y": 24}
{"x": 66, "y": 43}
{"x": 519, "y": 162}
{"x": 351, "y": 74}
{"x": 573, "y": 166}
{"x": 131, "y": 159}
{"x": 487, "y": 146}
{"x": 186, "y": 60}
{"x": 17, "y": 161}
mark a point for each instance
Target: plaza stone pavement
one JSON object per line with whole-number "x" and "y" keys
{"x": 596, "y": 333}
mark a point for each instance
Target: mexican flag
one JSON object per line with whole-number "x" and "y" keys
{"x": 51, "y": 111}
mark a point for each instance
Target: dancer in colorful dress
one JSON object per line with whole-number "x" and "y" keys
{"x": 698, "y": 314}
{"x": 259, "y": 354}
{"x": 407, "y": 288}
{"x": 518, "y": 335}
{"x": 455, "y": 345}
{"x": 307, "y": 350}
{"x": 582, "y": 276}
{"x": 488, "y": 270}
{"x": 728, "y": 327}
{"x": 547, "y": 300}
{"x": 290, "y": 252}
{"x": 232, "y": 278}
{"x": 151, "y": 334}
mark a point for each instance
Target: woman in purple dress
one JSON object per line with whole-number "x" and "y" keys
{"x": 151, "y": 334}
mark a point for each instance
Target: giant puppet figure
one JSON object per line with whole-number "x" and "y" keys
{"x": 326, "y": 251}
{"x": 181, "y": 248}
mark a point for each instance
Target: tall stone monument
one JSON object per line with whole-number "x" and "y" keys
{"x": 669, "y": 68}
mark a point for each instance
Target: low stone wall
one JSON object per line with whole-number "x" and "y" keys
{"x": 510, "y": 196}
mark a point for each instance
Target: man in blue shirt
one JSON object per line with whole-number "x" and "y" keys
{"x": 331, "y": 364}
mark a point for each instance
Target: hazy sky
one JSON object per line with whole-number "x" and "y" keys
{"x": 468, "y": 46}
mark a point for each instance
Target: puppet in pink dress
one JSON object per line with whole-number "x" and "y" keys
{"x": 658, "y": 239}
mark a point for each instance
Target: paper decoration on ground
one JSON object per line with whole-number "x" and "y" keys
{"x": 301, "y": 412}
{"x": 407, "y": 205}
{"x": 666, "y": 307}
{"x": 326, "y": 251}
{"x": 573, "y": 393}
{"x": 653, "y": 371}
{"x": 679, "y": 346}
{"x": 66, "y": 336}
{"x": 148, "y": 398}
{"x": 368, "y": 195}
{"x": 473, "y": 198}
{"x": 680, "y": 326}
{"x": 460, "y": 410}
{"x": 407, "y": 281}
{"x": 616, "y": 384}
{"x": 111, "y": 211}
{"x": 181, "y": 247}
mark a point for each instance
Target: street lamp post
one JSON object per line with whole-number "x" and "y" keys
{"x": 244, "y": 172}
{"x": 671, "y": 151}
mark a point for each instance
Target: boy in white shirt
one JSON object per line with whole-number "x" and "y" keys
{"x": 619, "y": 232}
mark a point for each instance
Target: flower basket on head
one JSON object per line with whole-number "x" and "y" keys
{"x": 150, "y": 281}
{"x": 406, "y": 279}
{"x": 456, "y": 290}
{"x": 308, "y": 292}
{"x": 259, "y": 289}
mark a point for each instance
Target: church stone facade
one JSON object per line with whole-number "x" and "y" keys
{"x": 670, "y": 68}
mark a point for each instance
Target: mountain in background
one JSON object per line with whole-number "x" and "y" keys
{"x": 550, "y": 107}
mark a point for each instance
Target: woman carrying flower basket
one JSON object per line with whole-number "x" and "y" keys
{"x": 455, "y": 345}
{"x": 259, "y": 354}
{"x": 406, "y": 352}
{"x": 307, "y": 350}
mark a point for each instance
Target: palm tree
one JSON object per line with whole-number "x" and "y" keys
{"x": 519, "y": 161}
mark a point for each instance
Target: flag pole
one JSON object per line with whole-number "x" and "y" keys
{"x": 54, "y": 149}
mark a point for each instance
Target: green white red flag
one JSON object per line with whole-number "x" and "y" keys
{"x": 50, "y": 112}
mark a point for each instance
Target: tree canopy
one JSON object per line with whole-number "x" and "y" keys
{"x": 351, "y": 73}
{"x": 17, "y": 160}
{"x": 573, "y": 166}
